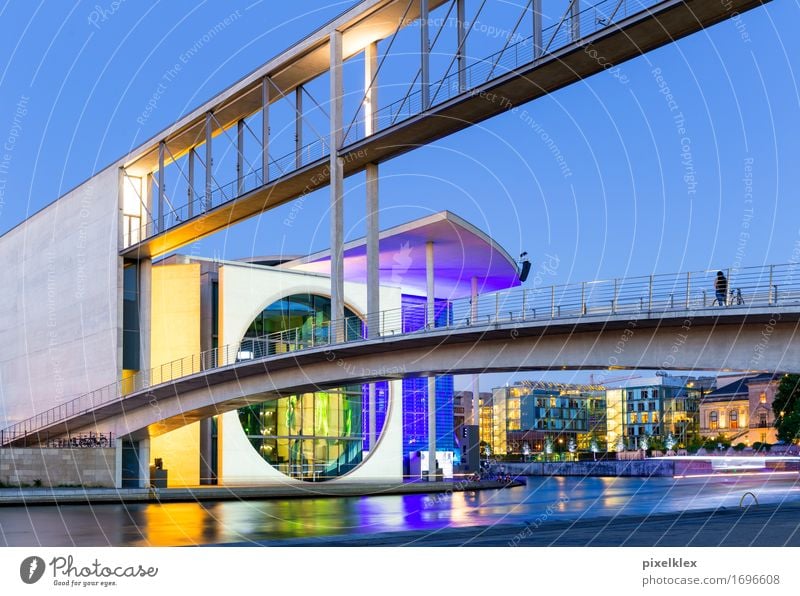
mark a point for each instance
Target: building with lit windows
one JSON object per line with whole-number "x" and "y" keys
{"x": 527, "y": 414}
{"x": 741, "y": 411}
{"x": 657, "y": 407}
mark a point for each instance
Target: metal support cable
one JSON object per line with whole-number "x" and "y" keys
{"x": 380, "y": 65}
{"x": 459, "y": 49}
{"x": 561, "y": 22}
{"x": 509, "y": 38}
{"x": 296, "y": 111}
{"x": 419, "y": 70}
{"x": 233, "y": 141}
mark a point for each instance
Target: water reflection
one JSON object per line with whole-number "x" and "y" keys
{"x": 258, "y": 521}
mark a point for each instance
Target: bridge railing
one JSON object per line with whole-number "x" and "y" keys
{"x": 753, "y": 287}
{"x": 599, "y": 15}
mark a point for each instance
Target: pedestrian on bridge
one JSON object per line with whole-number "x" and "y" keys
{"x": 721, "y": 289}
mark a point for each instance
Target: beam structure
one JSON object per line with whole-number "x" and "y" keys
{"x": 371, "y": 89}
{"x": 265, "y": 130}
{"x": 337, "y": 186}
{"x": 461, "y": 23}
{"x": 630, "y": 36}
{"x": 536, "y": 10}
{"x": 425, "y": 53}
{"x": 431, "y": 304}
{"x": 575, "y": 20}
{"x": 476, "y": 390}
{"x": 240, "y": 157}
{"x": 190, "y": 195}
{"x": 209, "y": 160}
{"x": 161, "y": 185}
{"x": 298, "y": 127}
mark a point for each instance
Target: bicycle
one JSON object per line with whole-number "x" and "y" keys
{"x": 736, "y": 297}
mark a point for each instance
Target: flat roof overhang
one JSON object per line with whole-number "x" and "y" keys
{"x": 461, "y": 252}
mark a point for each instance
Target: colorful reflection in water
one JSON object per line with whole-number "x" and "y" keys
{"x": 262, "y": 521}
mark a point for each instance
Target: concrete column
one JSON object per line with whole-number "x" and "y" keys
{"x": 118, "y": 463}
{"x": 425, "y": 53}
{"x": 430, "y": 320}
{"x": 537, "y": 28}
{"x": 161, "y": 184}
{"x": 240, "y": 157}
{"x": 298, "y": 127}
{"x": 190, "y": 190}
{"x": 476, "y": 390}
{"x": 461, "y": 20}
{"x": 373, "y": 254}
{"x": 209, "y": 159}
{"x": 431, "y": 428}
{"x": 430, "y": 316}
{"x": 575, "y": 20}
{"x": 373, "y": 418}
{"x": 337, "y": 186}
{"x": 371, "y": 89}
{"x": 145, "y": 267}
{"x": 144, "y": 463}
{"x": 265, "y": 130}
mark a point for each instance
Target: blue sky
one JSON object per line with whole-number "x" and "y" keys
{"x": 84, "y": 73}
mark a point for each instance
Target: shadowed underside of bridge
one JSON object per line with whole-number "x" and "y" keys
{"x": 759, "y": 340}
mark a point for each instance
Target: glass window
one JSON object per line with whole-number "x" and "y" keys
{"x": 713, "y": 422}
{"x": 733, "y": 419}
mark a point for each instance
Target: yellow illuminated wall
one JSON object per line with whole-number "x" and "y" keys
{"x": 174, "y": 335}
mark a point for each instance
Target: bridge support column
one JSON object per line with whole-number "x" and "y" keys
{"x": 298, "y": 127}
{"x": 430, "y": 320}
{"x": 240, "y": 157}
{"x": 145, "y": 271}
{"x": 209, "y": 159}
{"x": 371, "y": 89}
{"x": 476, "y": 389}
{"x": 161, "y": 185}
{"x": 265, "y": 130}
{"x": 461, "y": 23}
{"x": 144, "y": 463}
{"x": 575, "y": 20}
{"x": 537, "y": 29}
{"x": 190, "y": 186}
{"x": 337, "y": 188}
{"x": 425, "y": 53}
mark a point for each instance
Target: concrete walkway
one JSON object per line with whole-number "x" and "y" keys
{"x": 63, "y": 496}
{"x": 753, "y": 526}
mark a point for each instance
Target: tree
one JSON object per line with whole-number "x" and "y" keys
{"x": 787, "y": 408}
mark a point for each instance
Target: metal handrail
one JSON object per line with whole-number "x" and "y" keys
{"x": 649, "y": 295}
{"x": 498, "y": 64}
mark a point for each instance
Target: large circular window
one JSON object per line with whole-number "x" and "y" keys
{"x": 312, "y": 436}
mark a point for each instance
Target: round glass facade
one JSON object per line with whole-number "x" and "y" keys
{"x": 313, "y": 436}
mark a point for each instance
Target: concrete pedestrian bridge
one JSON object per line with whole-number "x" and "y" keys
{"x": 663, "y": 322}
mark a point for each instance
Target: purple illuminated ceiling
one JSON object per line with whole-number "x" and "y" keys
{"x": 461, "y": 252}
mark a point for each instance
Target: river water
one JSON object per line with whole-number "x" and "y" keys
{"x": 222, "y": 522}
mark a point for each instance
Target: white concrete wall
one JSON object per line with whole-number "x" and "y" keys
{"x": 59, "y": 301}
{"x": 245, "y": 290}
